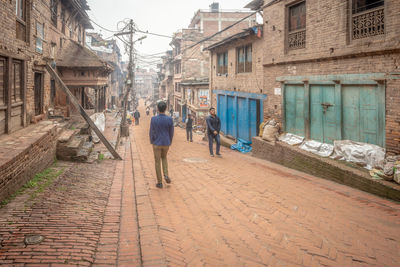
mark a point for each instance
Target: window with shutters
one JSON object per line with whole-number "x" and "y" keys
{"x": 367, "y": 18}
{"x": 222, "y": 64}
{"x": 296, "y": 36}
{"x": 244, "y": 59}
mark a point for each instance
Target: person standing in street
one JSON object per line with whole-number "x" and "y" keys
{"x": 136, "y": 115}
{"x": 154, "y": 111}
{"x": 189, "y": 128}
{"x": 213, "y": 128}
{"x": 161, "y": 134}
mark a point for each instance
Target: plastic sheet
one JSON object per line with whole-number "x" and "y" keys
{"x": 291, "y": 139}
{"x": 321, "y": 149}
{"x": 242, "y": 146}
{"x": 100, "y": 121}
{"x": 367, "y": 155}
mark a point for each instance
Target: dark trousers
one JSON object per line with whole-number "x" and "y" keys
{"x": 137, "y": 121}
{"x": 189, "y": 134}
{"x": 211, "y": 138}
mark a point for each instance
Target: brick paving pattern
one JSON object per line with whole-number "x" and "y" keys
{"x": 241, "y": 211}
{"x": 231, "y": 211}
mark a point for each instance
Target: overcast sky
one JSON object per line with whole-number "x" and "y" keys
{"x": 158, "y": 16}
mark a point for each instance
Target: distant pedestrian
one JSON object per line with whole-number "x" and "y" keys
{"x": 189, "y": 128}
{"x": 136, "y": 115}
{"x": 213, "y": 128}
{"x": 147, "y": 111}
{"x": 154, "y": 111}
{"x": 171, "y": 112}
{"x": 161, "y": 134}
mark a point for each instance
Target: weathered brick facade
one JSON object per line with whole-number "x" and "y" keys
{"x": 65, "y": 25}
{"x": 330, "y": 49}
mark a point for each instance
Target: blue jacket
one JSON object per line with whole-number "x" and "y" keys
{"x": 161, "y": 130}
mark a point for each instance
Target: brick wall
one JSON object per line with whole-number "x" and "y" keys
{"x": 249, "y": 82}
{"x": 295, "y": 158}
{"x": 35, "y": 158}
{"x": 330, "y": 50}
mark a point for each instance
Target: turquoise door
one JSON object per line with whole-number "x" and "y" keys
{"x": 323, "y": 124}
{"x": 231, "y": 116}
{"x": 294, "y": 109}
{"x": 221, "y": 110}
{"x": 361, "y": 114}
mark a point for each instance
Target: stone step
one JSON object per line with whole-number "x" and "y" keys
{"x": 66, "y": 135}
{"x": 69, "y": 150}
{"x": 84, "y": 152}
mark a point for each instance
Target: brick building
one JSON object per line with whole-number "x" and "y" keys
{"x": 191, "y": 61}
{"x": 331, "y": 69}
{"x": 109, "y": 51}
{"x": 236, "y": 83}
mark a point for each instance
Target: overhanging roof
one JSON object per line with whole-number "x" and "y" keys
{"x": 74, "y": 55}
{"x": 255, "y": 4}
{"x": 240, "y": 35}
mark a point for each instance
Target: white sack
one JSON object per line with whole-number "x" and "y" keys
{"x": 321, "y": 149}
{"x": 100, "y": 121}
{"x": 291, "y": 139}
{"x": 367, "y": 155}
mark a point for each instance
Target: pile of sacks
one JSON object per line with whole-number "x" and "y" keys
{"x": 269, "y": 131}
{"x": 391, "y": 169}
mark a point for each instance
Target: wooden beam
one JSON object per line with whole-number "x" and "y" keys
{"x": 76, "y": 104}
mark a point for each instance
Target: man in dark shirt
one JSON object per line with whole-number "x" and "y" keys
{"x": 136, "y": 115}
{"x": 161, "y": 134}
{"x": 213, "y": 128}
{"x": 189, "y": 128}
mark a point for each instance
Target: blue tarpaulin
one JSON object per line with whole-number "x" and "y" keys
{"x": 242, "y": 146}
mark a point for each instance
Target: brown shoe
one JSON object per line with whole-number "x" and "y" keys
{"x": 167, "y": 180}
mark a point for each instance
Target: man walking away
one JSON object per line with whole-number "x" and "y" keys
{"x": 189, "y": 128}
{"x": 161, "y": 134}
{"x": 213, "y": 128}
{"x": 136, "y": 115}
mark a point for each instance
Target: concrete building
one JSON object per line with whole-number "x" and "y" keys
{"x": 236, "y": 83}
{"x": 191, "y": 61}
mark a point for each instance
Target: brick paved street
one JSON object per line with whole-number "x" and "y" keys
{"x": 229, "y": 211}
{"x": 238, "y": 210}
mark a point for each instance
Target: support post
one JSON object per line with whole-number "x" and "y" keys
{"x": 76, "y": 104}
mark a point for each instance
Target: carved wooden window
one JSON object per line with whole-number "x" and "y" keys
{"x": 54, "y": 11}
{"x": 63, "y": 20}
{"x": 297, "y": 26}
{"x": 20, "y": 11}
{"x": 244, "y": 59}
{"x": 367, "y": 18}
{"x": 222, "y": 64}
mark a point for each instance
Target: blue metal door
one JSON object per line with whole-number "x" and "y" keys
{"x": 254, "y": 115}
{"x": 323, "y": 124}
{"x": 231, "y": 116}
{"x": 294, "y": 109}
{"x": 221, "y": 111}
{"x": 361, "y": 114}
{"x": 243, "y": 122}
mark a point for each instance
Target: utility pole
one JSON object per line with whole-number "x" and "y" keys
{"x": 124, "y": 125}
{"x": 131, "y": 76}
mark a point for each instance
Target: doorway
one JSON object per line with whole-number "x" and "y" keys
{"x": 38, "y": 93}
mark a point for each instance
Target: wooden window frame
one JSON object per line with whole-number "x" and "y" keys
{"x": 247, "y": 64}
{"x": 54, "y": 12}
{"x": 21, "y": 20}
{"x": 222, "y": 69}
{"x": 39, "y": 38}
{"x": 299, "y": 34}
